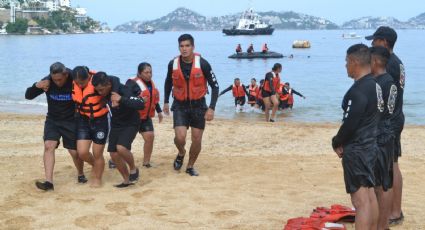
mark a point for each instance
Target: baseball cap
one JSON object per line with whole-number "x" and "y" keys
{"x": 384, "y": 32}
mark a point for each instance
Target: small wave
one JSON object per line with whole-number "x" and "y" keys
{"x": 17, "y": 102}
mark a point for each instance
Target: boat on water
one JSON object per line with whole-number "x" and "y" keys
{"x": 245, "y": 55}
{"x": 301, "y": 44}
{"x": 147, "y": 30}
{"x": 351, "y": 35}
{"x": 250, "y": 23}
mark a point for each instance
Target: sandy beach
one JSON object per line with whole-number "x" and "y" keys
{"x": 253, "y": 175}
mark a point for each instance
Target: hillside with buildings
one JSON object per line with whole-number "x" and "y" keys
{"x": 45, "y": 17}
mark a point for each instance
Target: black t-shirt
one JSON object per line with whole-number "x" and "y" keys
{"x": 361, "y": 105}
{"x": 126, "y": 113}
{"x": 60, "y": 106}
{"x": 396, "y": 69}
{"x": 389, "y": 94}
{"x": 186, "y": 69}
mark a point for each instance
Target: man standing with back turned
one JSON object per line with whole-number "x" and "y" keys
{"x": 356, "y": 141}
{"x": 188, "y": 76}
{"x": 387, "y": 37}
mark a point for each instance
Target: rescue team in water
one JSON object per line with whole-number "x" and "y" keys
{"x": 88, "y": 108}
{"x": 271, "y": 93}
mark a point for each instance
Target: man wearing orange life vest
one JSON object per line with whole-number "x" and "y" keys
{"x": 239, "y": 92}
{"x": 145, "y": 88}
{"x": 60, "y": 121}
{"x": 270, "y": 92}
{"x": 265, "y": 49}
{"x": 287, "y": 96}
{"x": 253, "y": 93}
{"x": 92, "y": 122}
{"x": 188, "y": 76}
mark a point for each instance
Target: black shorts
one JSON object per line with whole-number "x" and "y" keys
{"x": 123, "y": 136}
{"x": 266, "y": 94}
{"x": 95, "y": 130}
{"x": 240, "y": 101}
{"x": 252, "y": 100}
{"x": 397, "y": 147}
{"x": 189, "y": 115}
{"x": 358, "y": 163}
{"x": 146, "y": 125}
{"x": 384, "y": 164}
{"x": 54, "y": 130}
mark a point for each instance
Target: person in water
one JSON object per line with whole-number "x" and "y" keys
{"x": 387, "y": 37}
{"x": 384, "y": 164}
{"x": 125, "y": 123}
{"x": 356, "y": 140}
{"x": 239, "y": 92}
{"x": 188, "y": 76}
{"x": 250, "y": 49}
{"x": 145, "y": 88}
{"x": 287, "y": 96}
{"x": 270, "y": 92}
{"x": 60, "y": 121}
{"x": 253, "y": 93}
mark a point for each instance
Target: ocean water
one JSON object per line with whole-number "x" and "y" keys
{"x": 318, "y": 73}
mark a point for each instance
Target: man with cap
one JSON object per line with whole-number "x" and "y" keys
{"x": 387, "y": 37}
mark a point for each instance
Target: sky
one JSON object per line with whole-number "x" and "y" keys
{"x": 116, "y": 12}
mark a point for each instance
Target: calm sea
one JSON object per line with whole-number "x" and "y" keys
{"x": 318, "y": 73}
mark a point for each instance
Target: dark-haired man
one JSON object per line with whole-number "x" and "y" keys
{"x": 59, "y": 121}
{"x": 187, "y": 77}
{"x": 384, "y": 164}
{"x": 355, "y": 141}
{"x": 125, "y": 123}
{"x": 239, "y": 92}
{"x": 270, "y": 92}
{"x": 387, "y": 37}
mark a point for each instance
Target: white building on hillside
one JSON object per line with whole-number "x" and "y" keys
{"x": 64, "y": 3}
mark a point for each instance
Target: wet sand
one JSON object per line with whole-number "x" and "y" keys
{"x": 253, "y": 175}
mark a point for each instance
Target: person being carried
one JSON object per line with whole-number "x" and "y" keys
{"x": 144, "y": 86}
{"x": 92, "y": 122}
{"x": 250, "y": 49}
{"x": 124, "y": 105}
{"x": 60, "y": 120}
{"x": 270, "y": 92}
{"x": 384, "y": 164}
{"x": 355, "y": 141}
{"x": 239, "y": 49}
{"x": 239, "y": 91}
{"x": 265, "y": 49}
{"x": 187, "y": 77}
{"x": 287, "y": 96}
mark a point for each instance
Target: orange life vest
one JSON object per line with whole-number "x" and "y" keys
{"x": 283, "y": 97}
{"x": 88, "y": 102}
{"x": 291, "y": 97}
{"x": 238, "y": 91}
{"x": 275, "y": 82}
{"x": 265, "y": 48}
{"x": 151, "y": 99}
{"x": 254, "y": 92}
{"x": 196, "y": 88}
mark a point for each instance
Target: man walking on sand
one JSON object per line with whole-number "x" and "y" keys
{"x": 187, "y": 77}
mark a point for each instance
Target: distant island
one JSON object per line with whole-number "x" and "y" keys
{"x": 185, "y": 19}
{"x": 43, "y": 17}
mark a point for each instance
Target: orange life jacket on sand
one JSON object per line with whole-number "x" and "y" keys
{"x": 238, "y": 91}
{"x": 197, "y": 87}
{"x": 275, "y": 82}
{"x": 88, "y": 102}
{"x": 254, "y": 92}
{"x": 323, "y": 218}
{"x": 151, "y": 99}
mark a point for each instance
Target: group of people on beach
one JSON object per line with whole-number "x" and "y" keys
{"x": 276, "y": 95}
{"x": 87, "y": 109}
{"x": 368, "y": 140}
